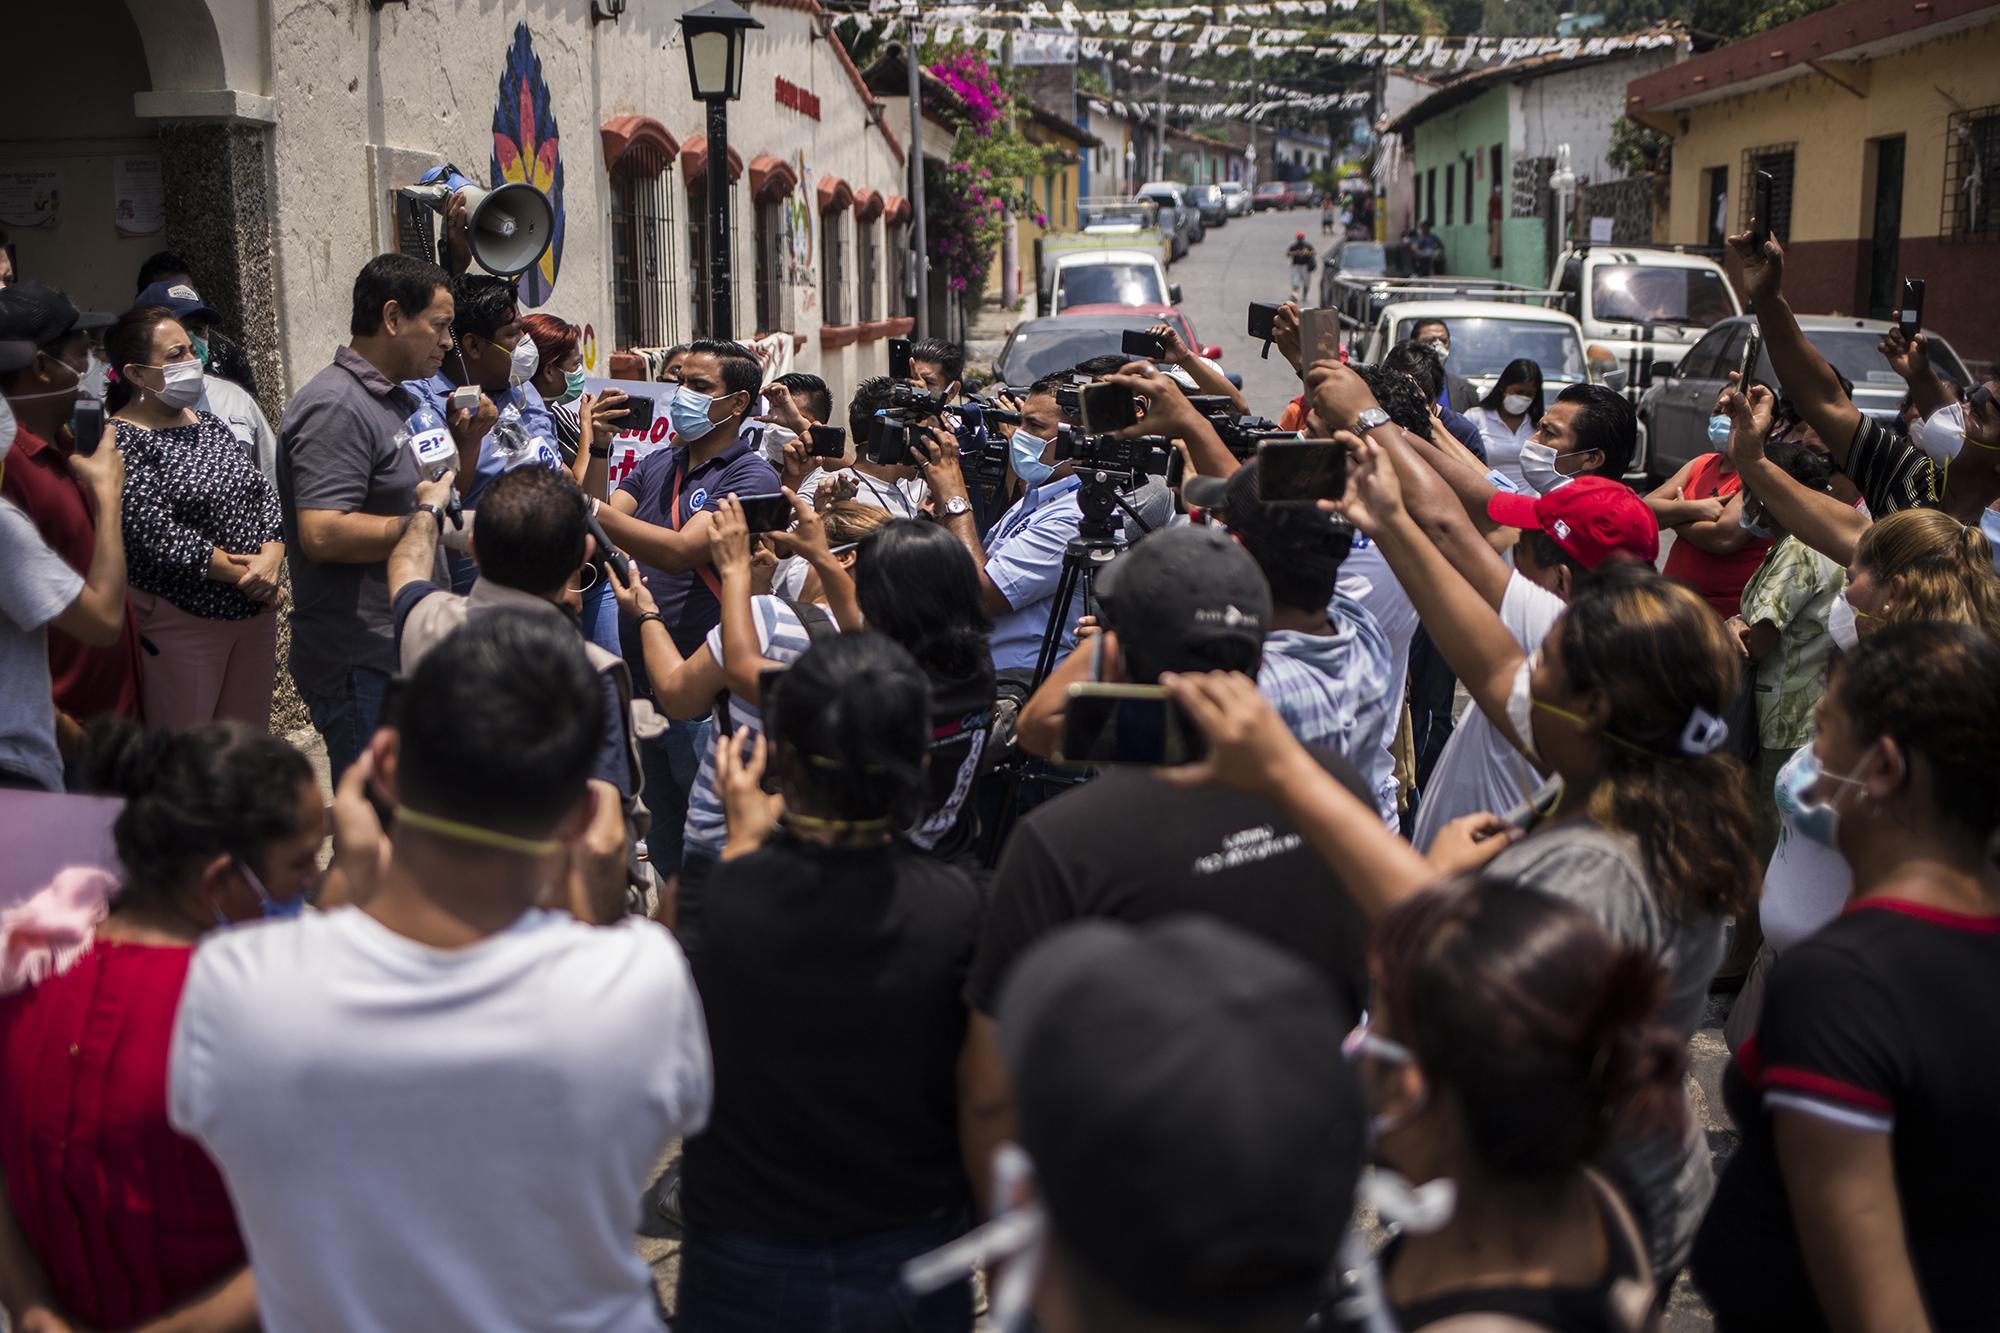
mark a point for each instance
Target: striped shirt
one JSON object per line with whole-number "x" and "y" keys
{"x": 1892, "y": 473}
{"x": 781, "y": 639}
{"x": 1333, "y": 689}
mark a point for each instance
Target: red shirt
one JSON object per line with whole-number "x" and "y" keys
{"x": 86, "y": 681}
{"x": 128, "y": 1218}
{"x": 1718, "y": 578}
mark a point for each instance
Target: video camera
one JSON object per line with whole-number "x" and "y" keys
{"x": 1239, "y": 435}
{"x": 1132, "y": 459}
{"x": 889, "y": 434}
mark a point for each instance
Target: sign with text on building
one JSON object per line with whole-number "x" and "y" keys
{"x": 797, "y": 98}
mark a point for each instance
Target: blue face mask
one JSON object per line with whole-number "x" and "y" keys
{"x": 1754, "y": 529}
{"x": 688, "y": 414}
{"x": 275, "y": 909}
{"x": 1024, "y": 452}
{"x": 1816, "y": 820}
{"x": 1719, "y": 427}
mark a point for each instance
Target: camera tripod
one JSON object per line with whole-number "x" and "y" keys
{"x": 1097, "y": 543}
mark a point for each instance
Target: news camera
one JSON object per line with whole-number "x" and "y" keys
{"x": 1239, "y": 434}
{"x": 890, "y": 433}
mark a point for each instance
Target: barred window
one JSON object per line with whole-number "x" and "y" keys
{"x": 1972, "y": 176}
{"x": 867, "y": 263}
{"x": 832, "y": 270}
{"x": 642, "y": 233}
{"x": 1776, "y": 159}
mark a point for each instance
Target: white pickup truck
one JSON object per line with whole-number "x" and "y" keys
{"x": 1486, "y": 335}
{"x": 1641, "y": 307}
{"x": 1103, "y": 276}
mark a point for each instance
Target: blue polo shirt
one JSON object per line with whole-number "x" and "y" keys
{"x": 687, "y": 600}
{"x": 1024, "y": 556}
{"x": 535, "y": 419}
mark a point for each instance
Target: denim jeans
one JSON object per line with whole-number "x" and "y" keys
{"x": 670, "y": 762}
{"x": 347, "y": 718}
{"x": 734, "y": 1284}
{"x": 600, "y": 616}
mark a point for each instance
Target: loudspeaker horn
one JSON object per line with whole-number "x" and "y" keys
{"x": 511, "y": 226}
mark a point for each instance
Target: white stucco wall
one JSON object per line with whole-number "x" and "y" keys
{"x": 1577, "y": 107}
{"x": 350, "y": 82}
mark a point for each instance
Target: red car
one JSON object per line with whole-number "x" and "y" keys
{"x": 1274, "y": 194}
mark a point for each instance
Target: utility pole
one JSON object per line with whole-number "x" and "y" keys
{"x": 916, "y": 163}
{"x": 1010, "y": 231}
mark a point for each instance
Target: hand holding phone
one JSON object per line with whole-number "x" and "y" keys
{"x": 1760, "y": 222}
{"x": 766, "y": 513}
{"x": 1127, "y": 724}
{"x": 899, "y": 358}
{"x": 827, "y": 442}
{"x": 86, "y": 425}
{"x": 1301, "y": 472}
{"x": 639, "y": 410}
{"x": 1107, "y": 408}
{"x": 1140, "y": 343}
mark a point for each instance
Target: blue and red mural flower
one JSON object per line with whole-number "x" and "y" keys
{"x": 527, "y": 148}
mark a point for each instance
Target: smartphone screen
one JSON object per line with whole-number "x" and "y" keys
{"x": 1127, "y": 724}
{"x": 1760, "y": 226}
{"x": 766, "y": 513}
{"x": 1263, "y": 315}
{"x": 1141, "y": 343}
{"x": 1107, "y": 408}
{"x": 827, "y": 442}
{"x": 1910, "y": 318}
{"x": 1301, "y": 471}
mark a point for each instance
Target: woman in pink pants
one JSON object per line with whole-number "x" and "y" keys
{"x": 202, "y": 536}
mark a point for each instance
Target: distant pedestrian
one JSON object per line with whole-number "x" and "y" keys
{"x": 1303, "y": 260}
{"x": 1427, "y": 251}
{"x": 1326, "y": 216}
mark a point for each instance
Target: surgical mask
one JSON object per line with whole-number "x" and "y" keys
{"x": 1538, "y": 467}
{"x": 95, "y": 376}
{"x": 200, "y": 350}
{"x": 1754, "y": 529}
{"x": 526, "y": 360}
{"x": 1840, "y": 624}
{"x": 276, "y": 909}
{"x": 1816, "y": 820}
{"x": 1521, "y": 703}
{"x": 688, "y": 414}
{"x": 182, "y": 386}
{"x": 572, "y": 387}
{"x": 1941, "y": 435}
{"x": 1719, "y": 427}
{"x": 1024, "y": 452}
{"x": 1516, "y": 404}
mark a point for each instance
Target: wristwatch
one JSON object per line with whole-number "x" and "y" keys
{"x": 1370, "y": 418}
{"x": 957, "y": 505}
{"x": 596, "y": 452}
{"x": 435, "y": 511}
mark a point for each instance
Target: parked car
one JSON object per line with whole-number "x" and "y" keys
{"x": 1641, "y": 302}
{"x": 1674, "y": 411}
{"x": 1237, "y": 198}
{"x": 1108, "y": 277}
{"x": 1349, "y": 263}
{"x": 1039, "y": 347}
{"x": 1208, "y": 200}
{"x": 1273, "y": 194}
{"x": 1174, "y": 208}
{"x": 1486, "y": 335}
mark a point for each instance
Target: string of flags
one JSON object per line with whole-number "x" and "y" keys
{"x": 1174, "y": 37}
{"x": 1239, "y": 110}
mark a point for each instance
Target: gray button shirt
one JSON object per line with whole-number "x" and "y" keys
{"x": 337, "y": 450}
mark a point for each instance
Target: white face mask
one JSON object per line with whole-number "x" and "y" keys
{"x": 527, "y": 359}
{"x": 1521, "y": 703}
{"x": 182, "y": 386}
{"x": 1840, "y": 624}
{"x": 1440, "y": 349}
{"x": 1538, "y": 467}
{"x": 95, "y": 376}
{"x": 1941, "y": 435}
{"x": 1516, "y": 404}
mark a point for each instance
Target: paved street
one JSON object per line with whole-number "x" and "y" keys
{"x": 1237, "y": 264}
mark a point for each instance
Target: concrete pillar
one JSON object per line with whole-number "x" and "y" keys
{"x": 217, "y": 178}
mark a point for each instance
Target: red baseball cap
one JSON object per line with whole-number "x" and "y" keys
{"x": 1592, "y": 518}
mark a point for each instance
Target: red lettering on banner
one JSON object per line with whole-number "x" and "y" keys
{"x": 798, "y": 99}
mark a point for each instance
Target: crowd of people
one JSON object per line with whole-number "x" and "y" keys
{"x": 725, "y": 849}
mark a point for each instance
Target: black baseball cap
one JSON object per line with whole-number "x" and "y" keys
{"x": 35, "y": 312}
{"x": 1186, "y": 599}
{"x": 1196, "y": 1131}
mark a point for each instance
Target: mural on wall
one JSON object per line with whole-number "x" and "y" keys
{"x": 801, "y": 216}
{"x": 527, "y": 148}
{"x": 589, "y": 346}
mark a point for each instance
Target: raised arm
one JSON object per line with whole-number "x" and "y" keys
{"x": 415, "y": 556}
{"x": 743, "y": 657}
{"x": 807, "y": 539}
{"x": 1169, "y": 414}
{"x": 97, "y": 616}
{"x": 1809, "y": 381}
{"x": 947, "y": 482}
{"x": 679, "y": 551}
{"x": 1208, "y": 377}
{"x": 1911, "y": 358}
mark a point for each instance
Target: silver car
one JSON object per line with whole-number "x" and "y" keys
{"x": 1235, "y": 198}
{"x": 1674, "y": 412}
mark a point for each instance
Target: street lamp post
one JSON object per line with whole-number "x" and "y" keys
{"x": 715, "y": 35}
{"x": 912, "y": 35}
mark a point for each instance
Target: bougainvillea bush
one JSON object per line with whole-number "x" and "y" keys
{"x": 966, "y": 199}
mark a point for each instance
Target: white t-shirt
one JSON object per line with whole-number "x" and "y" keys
{"x": 1480, "y": 771}
{"x": 1503, "y": 446}
{"x": 1366, "y": 577}
{"x": 420, "y": 1138}
{"x": 901, "y": 498}
{"x": 35, "y": 587}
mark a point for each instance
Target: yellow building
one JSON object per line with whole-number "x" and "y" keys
{"x": 1879, "y": 122}
{"x": 1055, "y": 192}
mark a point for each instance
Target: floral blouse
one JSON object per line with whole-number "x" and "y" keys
{"x": 189, "y": 489}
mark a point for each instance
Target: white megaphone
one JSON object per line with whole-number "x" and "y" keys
{"x": 510, "y": 226}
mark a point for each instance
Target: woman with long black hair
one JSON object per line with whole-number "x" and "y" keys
{"x": 831, "y": 963}
{"x": 1508, "y": 415}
